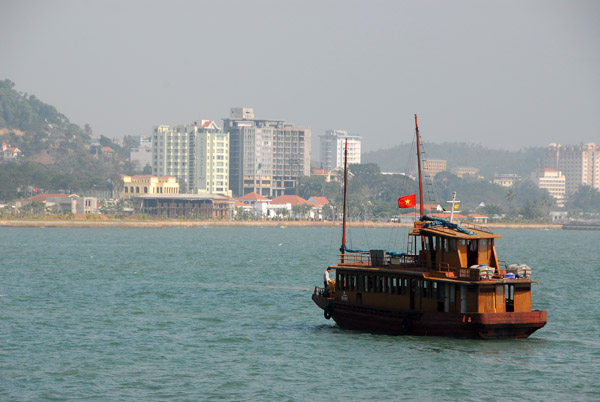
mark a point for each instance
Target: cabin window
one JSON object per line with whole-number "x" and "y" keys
{"x": 434, "y": 290}
{"x": 425, "y": 289}
{"x": 370, "y": 284}
{"x": 483, "y": 245}
{"x": 452, "y": 245}
{"x": 445, "y": 244}
{"x": 438, "y": 243}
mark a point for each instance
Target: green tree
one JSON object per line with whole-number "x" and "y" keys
{"x": 585, "y": 199}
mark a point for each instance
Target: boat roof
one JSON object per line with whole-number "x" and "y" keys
{"x": 476, "y": 232}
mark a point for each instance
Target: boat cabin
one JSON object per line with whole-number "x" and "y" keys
{"x": 447, "y": 269}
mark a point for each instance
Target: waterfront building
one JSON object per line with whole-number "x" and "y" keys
{"x": 186, "y": 205}
{"x": 288, "y": 202}
{"x": 265, "y": 156}
{"x": 64, "y": 203}
{"x": 258, "y": 203}
{"x": 478, "y": 218}
{"x": 580, "y": 164}
{"x": 553, "y": 181}
{"x": 148, "y": 184}
{"x": 196, "y": 154}
{"x": 319, "y": 201}
{"x": 333, "y": 144}
{"x": 506, "y": 179}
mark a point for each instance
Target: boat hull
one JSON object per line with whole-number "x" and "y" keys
{"x": 461, "y": 325}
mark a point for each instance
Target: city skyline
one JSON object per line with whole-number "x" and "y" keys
{"x": 506, "y": 75}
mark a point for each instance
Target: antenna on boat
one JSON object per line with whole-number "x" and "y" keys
{"x": 419, "y": 167}
{"x": 343, "y": 247}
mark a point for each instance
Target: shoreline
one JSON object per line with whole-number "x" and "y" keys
{"x": 150, "y": 224}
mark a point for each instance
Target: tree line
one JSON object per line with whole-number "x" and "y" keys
{"x": 374, "y": 195}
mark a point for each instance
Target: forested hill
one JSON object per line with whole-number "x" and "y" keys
{"x": 36, "y": 127}
{"x": 56, "y": 154}
{"x": 488, "y": 161}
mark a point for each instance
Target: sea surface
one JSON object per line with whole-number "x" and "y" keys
{"x": 226, "y": 314}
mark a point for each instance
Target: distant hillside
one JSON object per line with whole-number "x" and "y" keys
{"x": 37, "y": 128}
{"x": 57, "y": 155}
{"x": 488, "y": 161}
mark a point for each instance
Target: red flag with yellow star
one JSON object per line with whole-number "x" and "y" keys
{"x": 407, "y": 201}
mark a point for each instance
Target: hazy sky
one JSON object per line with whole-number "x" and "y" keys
{"x": 504, "y": 74}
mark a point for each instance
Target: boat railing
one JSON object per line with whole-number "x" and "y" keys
{"x": 481, "y": 228}
{"x": 443, "y": 267}
{"x": 359, "y": 258}
{"x": 319, "y": 291}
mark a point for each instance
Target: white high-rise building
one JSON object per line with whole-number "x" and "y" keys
{"x": 333, "y": 143}
{"x": 196, "y": 154}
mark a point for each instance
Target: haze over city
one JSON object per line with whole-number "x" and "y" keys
{"x": 505, "y": 75}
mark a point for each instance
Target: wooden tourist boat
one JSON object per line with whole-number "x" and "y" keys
{"x": 450, "y": 282}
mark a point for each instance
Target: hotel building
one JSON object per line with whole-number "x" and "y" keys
{"x": 196, "y": 154}
{"x": 553, "y": 181}
{"x": 265, "y": 156}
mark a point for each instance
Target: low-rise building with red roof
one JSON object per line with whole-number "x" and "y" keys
{"x": 477, "y": 218}
{"x": 290, "y": 202}
{"x": 9, "y": 153}
{"x": 253, "y": 198}
{"x": 320, "y": 201}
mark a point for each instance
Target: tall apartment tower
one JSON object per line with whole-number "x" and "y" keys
{"x": 196, "y": 154}
{"x": 265, "y": 156}
{"x": 579, "y": 164}
{"x": 333, "y": 143}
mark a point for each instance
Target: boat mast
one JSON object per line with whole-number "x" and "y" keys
{"x": 343, "y": 247}
{"x": 453, "y": 202}
{"x": 419, "y": 167}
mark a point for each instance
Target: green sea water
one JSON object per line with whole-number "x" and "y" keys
{"x": 226, "y": 314}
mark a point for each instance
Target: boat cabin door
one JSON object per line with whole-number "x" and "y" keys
{"x": 472, "y": 253}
